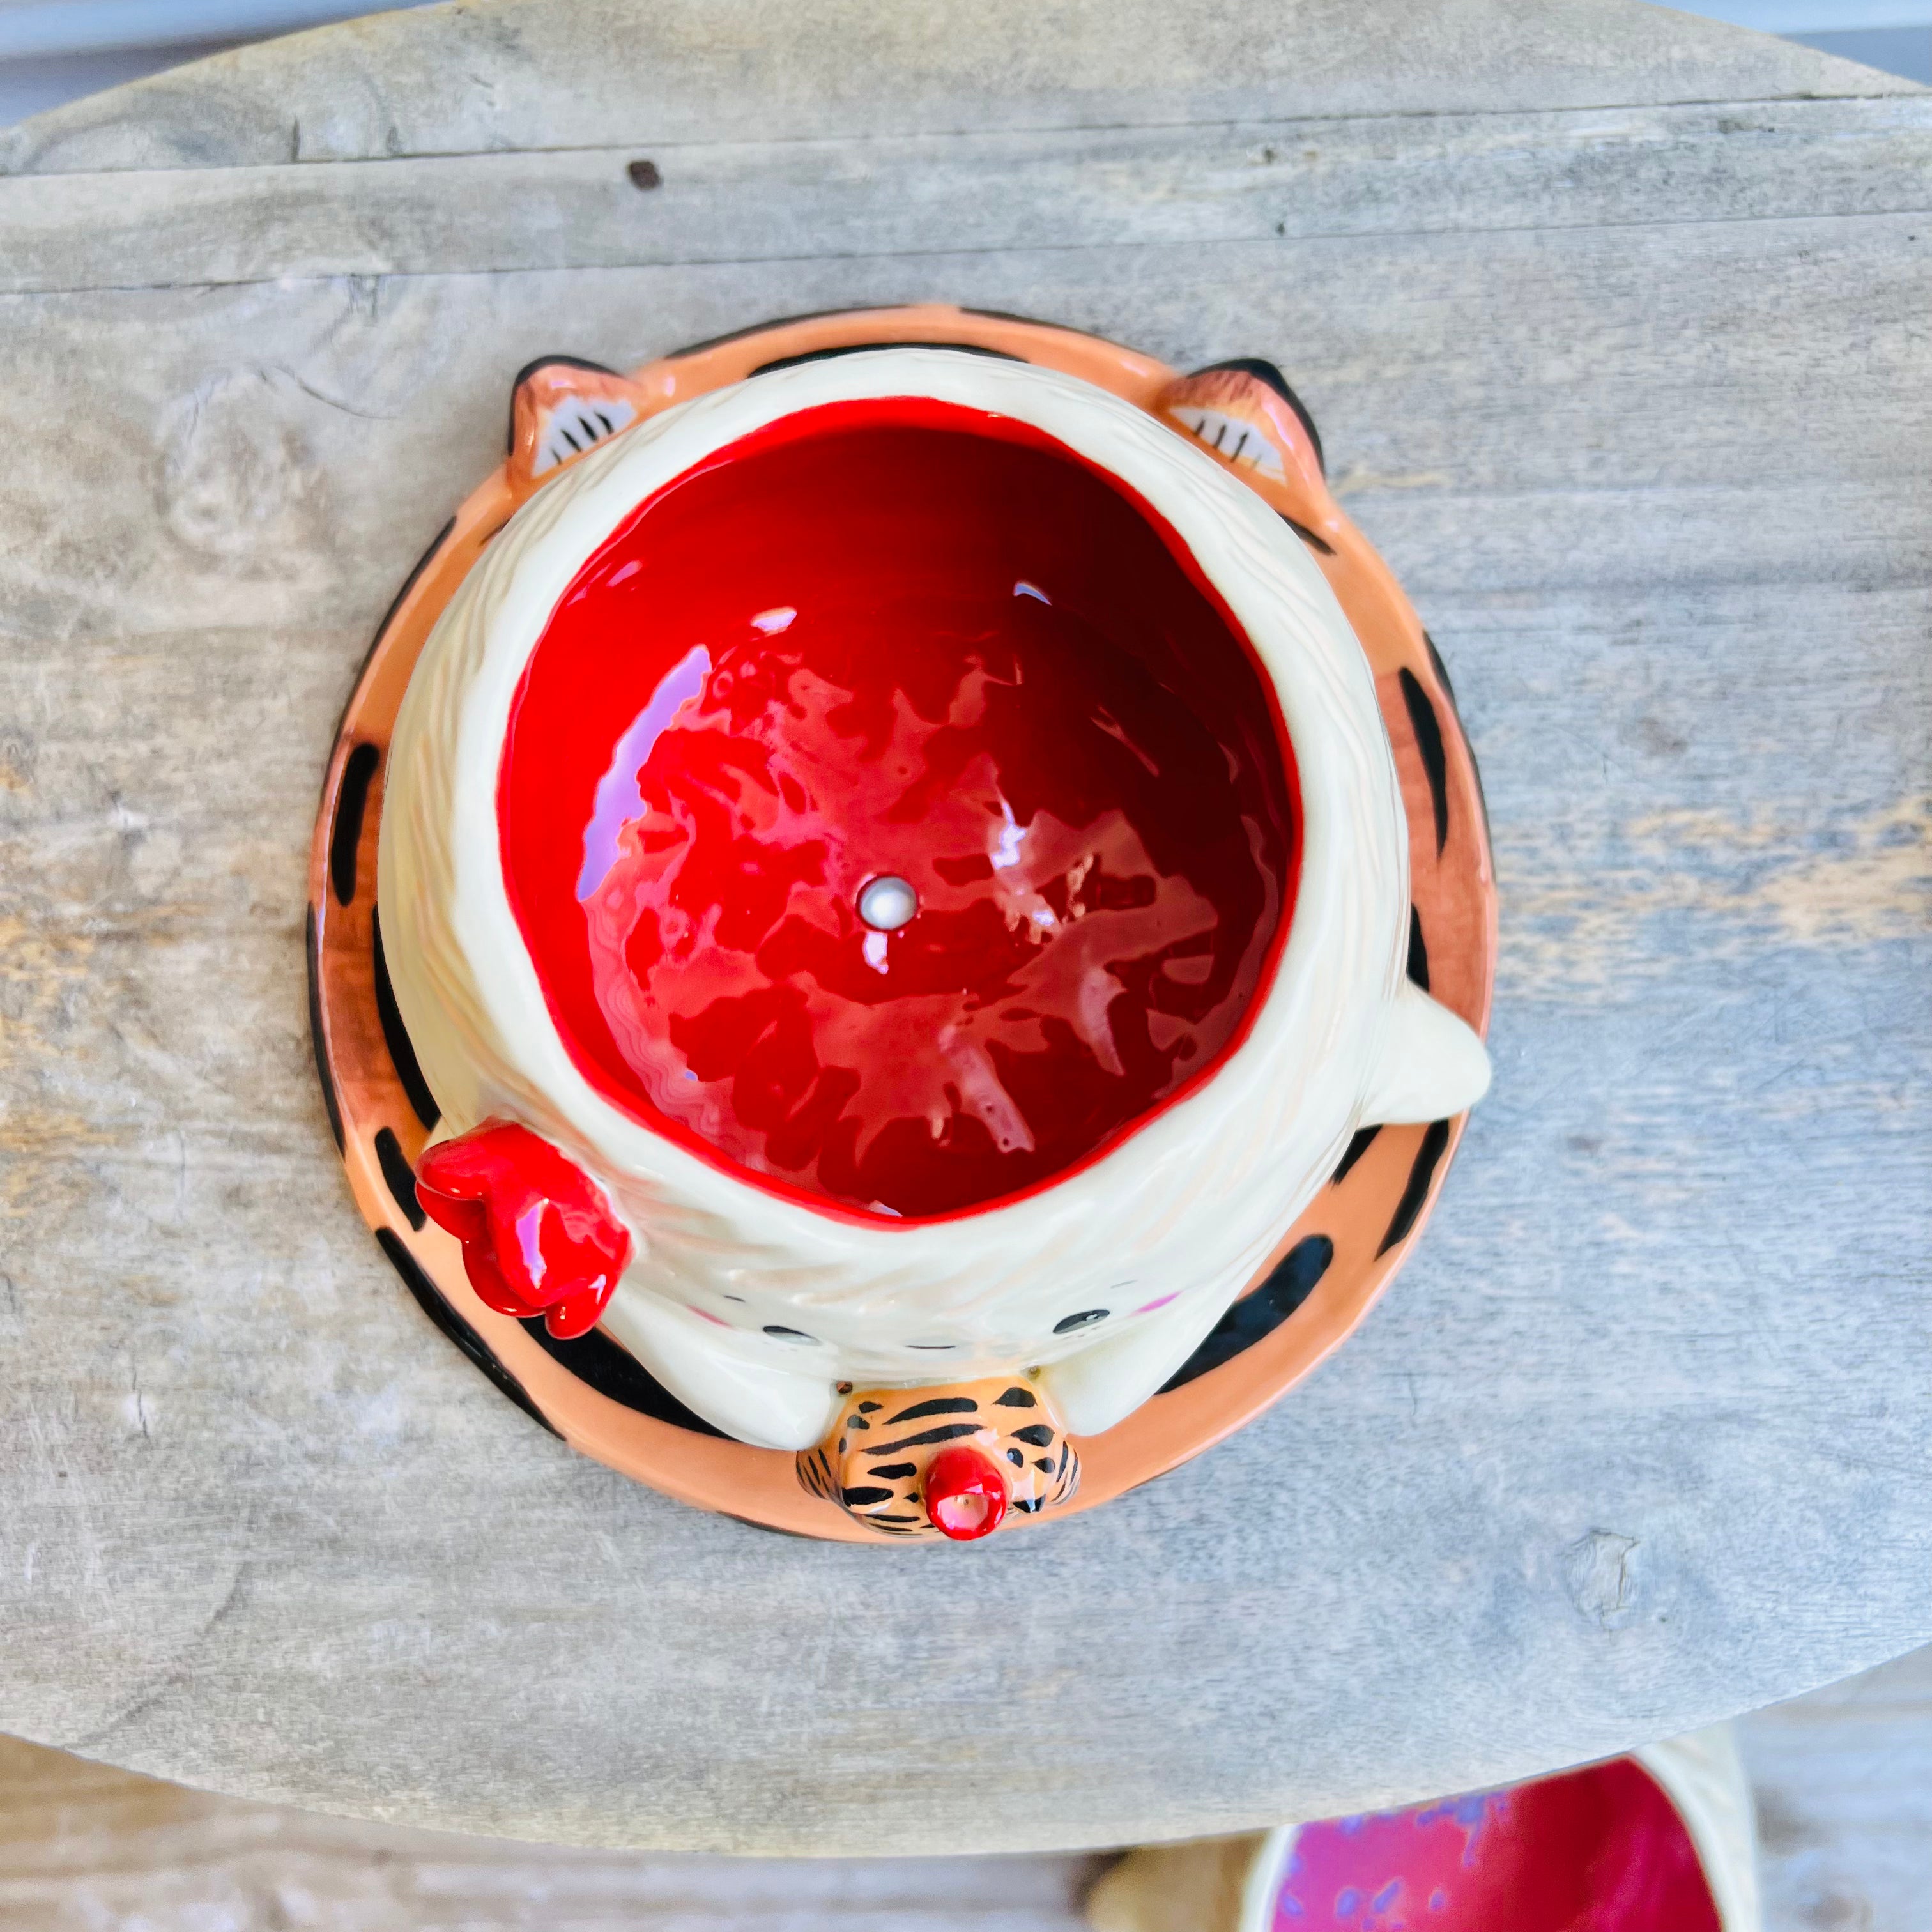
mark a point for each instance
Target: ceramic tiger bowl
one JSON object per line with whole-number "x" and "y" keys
{"x": 893, "y": 895}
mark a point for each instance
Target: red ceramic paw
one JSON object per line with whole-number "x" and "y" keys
{"x": 538, "y": 1237}
{"x": 965, "y": 1494}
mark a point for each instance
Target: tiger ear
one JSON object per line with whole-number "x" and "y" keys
{"x": 560, "y": 408}
{"x": 1246, "y": 414}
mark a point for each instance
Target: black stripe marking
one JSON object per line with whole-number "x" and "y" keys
{"x": 1359, "y": 1144}
{"x": 400, "y": 1176}
{"x": 866, "y": 349}
{"x": 1253, "y": 365}
{"x": 1028, "y": 1505}
{"x": 772, "y": 1529}
{"x": 395, "y": 1036}
{"x": 345, "y": 835}
{"x": 1417, "y": 1192}
{"x": 529, "y": 370}
{"x": 949, "y": 1432}
{"x": 422, "y": 564}
{"x": 781, "y": 1334}
{"x": 1043, "y": 1463}
{"x": 1449, "y": 692}
{"x": 1441, "y": 670}
{"x": 891, "y": 1472}
{"x": 1038, "y": 1435}
{"x": 868, "y": 1407}
{"x": 1289, "y": 1283}
{"x": 759, "y": 328}
{"x": 1428, "y": 728}
{"x": 1016, "y": 1398}
{"x": 322, "y": 1072}
{"x": 1014, "y": 1456}
{"x": 944, "y": 1405}
{"x": 430, "y": 1301}
{"x": 858, "y": 1496}
{"x": 598, "y": 1362}
{"x": 1418, "y": 950}
{"x": 1307, "y": 535}
{"x": 1085, "y": 1318}
{"x": 857, "y": 1422}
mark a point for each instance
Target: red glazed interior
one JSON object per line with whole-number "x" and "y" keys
{"x": 897, "y": 639}
{"x": 1602, "y": 1850}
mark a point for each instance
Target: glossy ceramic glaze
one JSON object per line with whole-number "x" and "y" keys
{"x": 538, "y": 1237}
{"x": 1603, "y": 1849}
{"x": 895, "y": 641}
{"x": 393, "y": 1082}
{"x": 949, "y": 1461}
{"x": 1662, "y": 1841}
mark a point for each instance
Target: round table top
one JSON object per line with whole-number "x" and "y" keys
{"x": 1614, "y": 324}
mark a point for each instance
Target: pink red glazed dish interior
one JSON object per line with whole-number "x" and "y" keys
{"x": 737, "y": 1061}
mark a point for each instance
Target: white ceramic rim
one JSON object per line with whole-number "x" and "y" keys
{"x": 1197, "y": 1194}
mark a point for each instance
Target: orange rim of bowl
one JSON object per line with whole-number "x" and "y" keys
{"x": 1372, "y": 1211}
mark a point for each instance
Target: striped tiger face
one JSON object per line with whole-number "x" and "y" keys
{"x": 949, "y": 1461}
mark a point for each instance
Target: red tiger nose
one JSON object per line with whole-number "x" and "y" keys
{"x": 965, "y": 1493}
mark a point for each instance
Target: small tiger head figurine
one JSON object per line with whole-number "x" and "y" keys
{"x": 943, "y": 1462}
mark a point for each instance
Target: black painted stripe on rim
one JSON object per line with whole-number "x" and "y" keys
{"x": 1289, "y": 1283}
{"x": 1359, "y": 1144}
{"x": 1441, "y": 671}
{"x": 892, "y": 1472}
{"x": 400, "y": 1175}
{"x": 453, "y": 1325}
{"x": 1016, "y": 1398}
{"x": 1449, "y": 692}
{"x": 422, "y": 564}
{"x": 395, "y": 604}
{"x": 759, "y": 328}
{"x": 1037, "y": 1435}
{"x": 1418, "y": 950}
{"x": 1428, "y": 1156}
{"x": 1267, "y": 372}
{"x": 395, "y": 1036}
{"x": 599, "y": 1364}
{"x": 1307, "y": 535}
{"x": 322, "y": 1072}
{"x": 772, "y": 1529}
{"x": 345, "y": 834}
{"x": 1428, "y": 729}
{"x": 869, "y": 348}
{"x": 860, "y": 1494}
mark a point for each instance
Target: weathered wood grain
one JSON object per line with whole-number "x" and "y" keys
{"x": 1843, "y": 1785}
{"x": 1080, "y": 189}
{"x": 485, "y": 78}
{"x": 83, "y": 1846}
{"x": 1636, "y": 403}
{"x": 1843, "y": 1781}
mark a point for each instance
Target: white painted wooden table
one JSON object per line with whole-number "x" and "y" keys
{"x": 1616, "y": 324}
